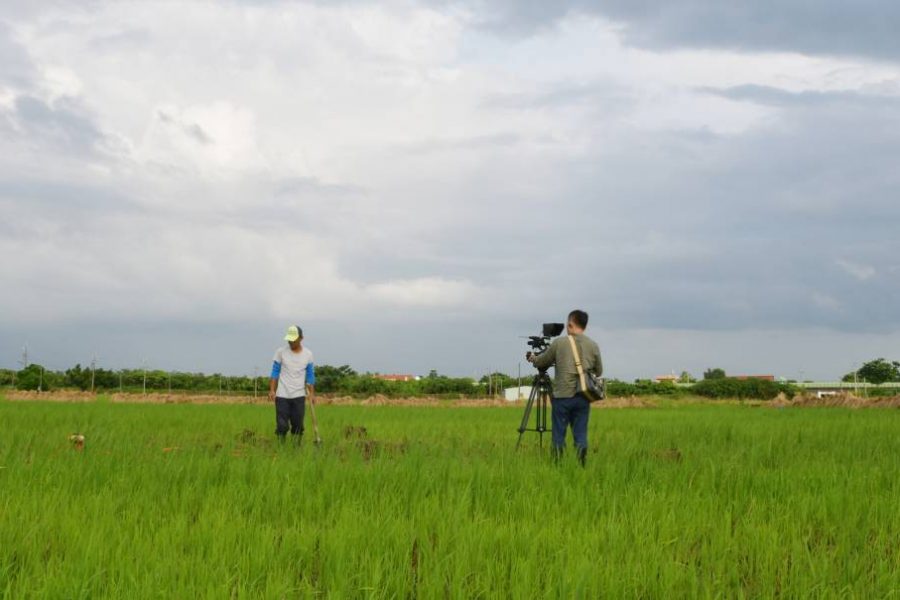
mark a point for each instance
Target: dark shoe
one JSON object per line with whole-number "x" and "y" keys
{"x": 556, "y": 453}
{"x": 582, "y": 456}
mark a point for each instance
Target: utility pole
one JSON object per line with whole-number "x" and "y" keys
{"x": 93, "y": 370}
{"x": 24, "y": 360}
{"x": 170, "y": 383}
{"x": 144, "y": 366}
{"x": 120, "y": 381}
{"x": 519, "y": 383}
{"x": 255, "y": 381}
{"x": 41, "y": 381}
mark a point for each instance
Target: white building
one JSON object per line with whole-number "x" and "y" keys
{"x": 517, "y": 393}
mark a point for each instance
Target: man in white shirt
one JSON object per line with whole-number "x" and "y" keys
{"x": 292, "y": 374}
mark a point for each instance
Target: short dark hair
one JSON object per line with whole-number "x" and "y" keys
{"x": 579, "y": 317}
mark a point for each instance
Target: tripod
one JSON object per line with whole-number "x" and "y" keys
{"x": 539, "y": 400}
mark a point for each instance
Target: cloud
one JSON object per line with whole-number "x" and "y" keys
{"x": 430, "y": 292}
{"x": 777, "y": 97}
{"x": 860, "y": 272}
{"x": 831, "y": 27}
{"x": 61, "y": 123}
{"x": 18, "y": 69}
{"x": 360, "y": 168}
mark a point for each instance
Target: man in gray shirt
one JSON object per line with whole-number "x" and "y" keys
{"x": 293, "y": 374}
{"x": 569, "y": 406}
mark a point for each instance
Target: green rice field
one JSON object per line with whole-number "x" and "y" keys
{"x": 200, "y": 501}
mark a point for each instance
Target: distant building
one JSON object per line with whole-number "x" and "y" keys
{"x": 396, "y": 377}
{"x": 666, "y": 379}
{"x": 745, "y": 377}
{"x": 517, "y": 393}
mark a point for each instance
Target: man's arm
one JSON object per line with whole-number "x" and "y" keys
{"x": 310, "y": 381}
{"x": 273, "y": 379}
{"x": 545, "y": 359}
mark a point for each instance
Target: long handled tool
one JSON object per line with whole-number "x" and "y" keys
{"x": 312, "y": 414}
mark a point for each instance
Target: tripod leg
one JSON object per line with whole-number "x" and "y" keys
{"x": 523, "y": 426}
{"x": 541, "y": 418}
{"x": 545, "y": 399}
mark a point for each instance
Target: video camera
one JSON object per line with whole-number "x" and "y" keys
{"x": 539, "y": 343}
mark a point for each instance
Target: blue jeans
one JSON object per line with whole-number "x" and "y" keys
{"x": 570, "y": 411}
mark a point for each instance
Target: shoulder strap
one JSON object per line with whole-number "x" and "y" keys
{"x": 578, "y": 362}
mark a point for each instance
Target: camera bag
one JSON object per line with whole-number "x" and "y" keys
{"x": 591, "y": 386}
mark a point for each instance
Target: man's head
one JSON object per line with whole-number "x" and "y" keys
{"x": 294, "y": 336}
{"x": 577, "y": 322}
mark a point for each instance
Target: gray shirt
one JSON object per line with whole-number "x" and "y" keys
{"x": 559, "y": 355}
{"x": 295, "y": 370}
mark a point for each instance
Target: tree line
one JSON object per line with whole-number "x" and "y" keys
{"x": 343, "y": 380}
{"x": 329, "y": 380}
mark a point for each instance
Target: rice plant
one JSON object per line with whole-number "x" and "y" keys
{"x": 684, "y": 501}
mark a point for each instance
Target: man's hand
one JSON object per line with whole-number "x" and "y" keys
{"x": 529, "y": 356}
{"x": 271, "y": 396}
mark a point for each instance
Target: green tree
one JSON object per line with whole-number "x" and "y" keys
{"x": 34, "y": 377}
{"x": 497, "y": 382}
{"x": 686, "y": 378}
{"x": 879, "y": 371}
{"x": 329, "y": 378}
{"x": 714, "y": 374}
{"x": 78, "y": 378}
{"x": 7, "y": 377}
{"x": 728, "y": 387}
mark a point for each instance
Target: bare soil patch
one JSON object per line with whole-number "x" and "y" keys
{"x": 126, "y": 398}
{"x": 843, "y": 400}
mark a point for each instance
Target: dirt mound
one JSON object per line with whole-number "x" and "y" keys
{"x": 671, "y": 454}
{"x": 326, "y": 400}
{"x": 354, "y": 431}
{"x": 50, "y": 396}
{"x": 630, "y": 402}
{"x": 841, "y": 400}
{"x": 780, "y": 401}
{"x": 380, "y": 400}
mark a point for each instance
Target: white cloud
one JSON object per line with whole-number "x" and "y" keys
{"x": 859, "y": 271}
{"x": 356, "y": 160}
{"x": 213, "y": 140}
{"x": 426, "y": 292}
{"x": 826, "y": 302}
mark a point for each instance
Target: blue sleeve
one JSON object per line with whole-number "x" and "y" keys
{"x": 310, "y": 374}
{"x": 276, "y": 369}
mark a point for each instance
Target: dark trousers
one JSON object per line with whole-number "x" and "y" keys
{"x": 570, "y": 411}
{"x": 289, "y": 412}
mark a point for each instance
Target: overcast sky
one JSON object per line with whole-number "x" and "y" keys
{"x": 419, "y": 183}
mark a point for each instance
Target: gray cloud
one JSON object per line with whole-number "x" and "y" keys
{"x": 62, "y": 124}
{"x": 17, "y": 66}
{"x": 192, "y": 130}
{"x": 772, "y": 96}
{"x": 542, "y": 195}
{"x": 133, "y": 37}
{"x": 603, "y": 96}
{"x": 832, "y": 27}
{"x": 494, "y": 140}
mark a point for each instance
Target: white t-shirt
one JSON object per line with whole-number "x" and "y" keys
{"x": 296, "y": 371}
